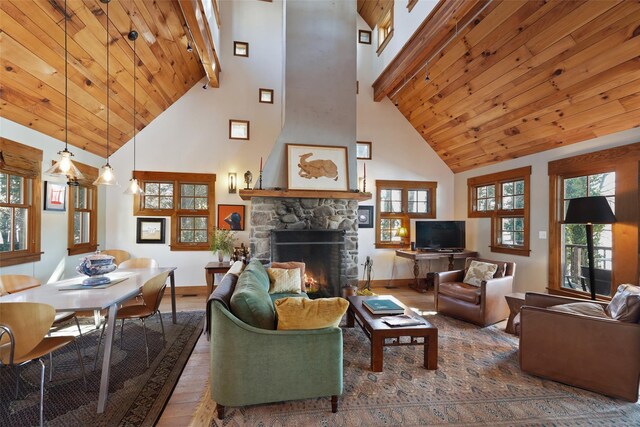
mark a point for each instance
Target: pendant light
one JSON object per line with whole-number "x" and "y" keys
{"x": 64, "y": 167}
{"x": 133, "y": 187}
{"x": 107, "y": 176}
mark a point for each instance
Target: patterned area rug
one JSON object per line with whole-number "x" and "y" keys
{"x": 478, "y": 382}
{"x": 137, "y": 395}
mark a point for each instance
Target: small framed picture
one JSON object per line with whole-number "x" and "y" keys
{"x": 55, "y": 196}
{"x": 241, "y": 48}
{"x": 239, "y": 129}
{"x": 363, "y": 150}
{"x": 364, "y": 36}
{"x": 365, "y": 216}
{"x": 231, "y": 217}
{"x": 265, "y": 96}
{"x": 150, "y": 230}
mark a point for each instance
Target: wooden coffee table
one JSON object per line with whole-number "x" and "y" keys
{"x": 382, "y": 335}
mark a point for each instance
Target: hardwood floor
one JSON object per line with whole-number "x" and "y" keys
{"x": 191, "y": 388}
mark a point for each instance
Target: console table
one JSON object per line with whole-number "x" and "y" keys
{"x": 417, "y": 256}
{"x": 211, "y": 269}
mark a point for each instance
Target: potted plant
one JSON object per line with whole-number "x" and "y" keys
{"x": 222, "y": 242}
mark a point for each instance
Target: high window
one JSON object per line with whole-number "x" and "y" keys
{"x": 612, "y": 173}
{"x": 385, "y": 28}
{"x": 188, "y": 198}
{"x": 504, "y": 198}
{"x": 20, "y": 203}
{"x": 83, "y": 213}
{"x": 397, "y": 203}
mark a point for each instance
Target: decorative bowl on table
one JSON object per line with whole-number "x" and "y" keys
{"x": 96, "y": 266}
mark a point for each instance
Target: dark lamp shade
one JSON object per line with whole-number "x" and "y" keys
{"x": 593, "y": 210}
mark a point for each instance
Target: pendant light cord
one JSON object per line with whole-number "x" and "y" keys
{"x": 134, "y": 104}
{"x": 108, "y": 108}
{"x": 66, "y": 82}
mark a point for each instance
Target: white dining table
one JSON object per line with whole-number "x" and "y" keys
{"x": 95, "y": 299}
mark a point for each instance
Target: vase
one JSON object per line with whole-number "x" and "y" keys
{"x": 220, "y": 256}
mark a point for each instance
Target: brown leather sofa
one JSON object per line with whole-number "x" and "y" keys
{"x": 597, "y": 354}
{"x": 483, "y": 305}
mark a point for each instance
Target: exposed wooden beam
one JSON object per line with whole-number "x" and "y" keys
{"x": 193, "y": 12}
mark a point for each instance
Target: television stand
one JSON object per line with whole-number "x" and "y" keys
{"x": 417, "y": 256}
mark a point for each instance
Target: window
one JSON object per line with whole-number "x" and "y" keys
{"x": 385, "y": 28}
{"x": 504, "y": 198}
{"x": 20, "y": 203}
{"x": 83, "y": 213}
{"x": 397, "y": 203}
{"x": 188, "y": 198}
{"x": 615, "y": 174}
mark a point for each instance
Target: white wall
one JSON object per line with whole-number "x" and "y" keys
{"x": 54, "y": 224}
{"x": 399, "y": 152}
{"x": 531, "y": 271}
{"x": 193, "y": 134}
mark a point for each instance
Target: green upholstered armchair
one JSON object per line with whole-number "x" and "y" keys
{"x": 250, "y": 365}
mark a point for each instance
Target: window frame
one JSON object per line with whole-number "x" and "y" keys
{"x": 90, "y": 174}
{"x": 385, "y": 24}
{"x": 22, "y": 160}
{"x": 177, "y": 212}
{"x": 404, "y": 215}
{"x": 497, "y": 214}
{"x": 625, "y": 162}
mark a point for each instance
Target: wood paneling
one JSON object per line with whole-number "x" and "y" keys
{"x": 372, "y": 10}
{"x": 32, "y": 66}
{"x": 520, "y": 78}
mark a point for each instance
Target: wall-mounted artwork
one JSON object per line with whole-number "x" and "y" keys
{"x": 265, "y": 96}
{"x": 231, "y": 217}
{"x": 363, "y": 150}
{"x": 365, "y": 216}
{"x": 239, "y": 129}
{"x": 54, "y": 196}
{"x": 150, "y": 230}
{"x": 364, "y": 36}
{"x": 241, "y": 48}
{"x": 317, "y": 167}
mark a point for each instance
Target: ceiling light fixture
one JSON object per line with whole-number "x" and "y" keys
{"x": 133, "y": 187}
{"x": 189, "y": 48}
{"x": 426, "y": 72}
{"x": 64, "y": 167}
{"x": 107, "y": 176}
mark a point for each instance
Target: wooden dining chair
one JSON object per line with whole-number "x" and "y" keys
{"x": 139, "y": 263}
{"x": 23, "y": 330}
{"x": 118, "y": 254}
{"x": 152, "y": 293}
{"x": 13, "y": 283}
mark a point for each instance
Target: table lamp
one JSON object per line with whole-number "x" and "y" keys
{"x": 589, "y": 211}
{"x": 402, "y": 232}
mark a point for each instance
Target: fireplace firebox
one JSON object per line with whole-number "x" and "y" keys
{"x": 322, "y": 251}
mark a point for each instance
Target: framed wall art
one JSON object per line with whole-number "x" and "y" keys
{"x": 55, "y": 196}
{"x": 150, "y": 230}
{"x": 363, "y": 150}
{"x": 231, "y": 217}
{"x": 364, "y": 36}
{"x": 317, "y": 167}
{"x": 365, "y": 216}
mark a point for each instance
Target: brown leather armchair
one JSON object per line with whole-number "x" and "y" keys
{"x": 483, "y": 305}
{"x": 597, "y": 354}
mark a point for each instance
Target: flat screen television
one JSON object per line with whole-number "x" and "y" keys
{"x": 440, "y": 235}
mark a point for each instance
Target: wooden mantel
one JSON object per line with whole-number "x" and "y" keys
{"x": 305, "y": 194}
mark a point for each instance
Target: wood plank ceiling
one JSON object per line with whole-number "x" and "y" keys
{"x": 32, "y": 75}
{"x": 372, "y": 10}
{"x": 523, "y": 77}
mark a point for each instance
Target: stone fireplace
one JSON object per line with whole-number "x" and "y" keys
{"x": 270, "y": 216}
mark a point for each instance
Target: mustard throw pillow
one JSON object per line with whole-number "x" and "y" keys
{"x": 479, "y": 271}
{"x": 304, "y": 313}
{"x": 284, "y": 280}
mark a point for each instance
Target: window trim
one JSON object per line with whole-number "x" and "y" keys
{"x": 90, "y": 174}
{"x": 497, "y": 213}
{"x": 404, "y": 215}
{"x": 385, "y": 21}
{"x": 410, "y": 5}
{"x": 178, "y": 178}
{"x": 625, "y": 162}
{"x": 23, "y": 160}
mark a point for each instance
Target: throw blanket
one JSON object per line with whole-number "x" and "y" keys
{"x": 221, "y": 294}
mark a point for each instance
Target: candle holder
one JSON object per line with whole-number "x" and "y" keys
{"x": 260, "y": 181}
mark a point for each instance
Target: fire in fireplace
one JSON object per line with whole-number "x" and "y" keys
{"x": 322, "y": 251}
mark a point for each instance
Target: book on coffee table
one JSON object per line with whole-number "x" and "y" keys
{"x": 382, "y": 306}
{"x": 402, "y": 320}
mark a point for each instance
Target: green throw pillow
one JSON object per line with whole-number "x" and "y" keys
{"x": 250, "y": 301}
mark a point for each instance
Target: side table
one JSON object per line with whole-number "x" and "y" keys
{"x": 515, "y": 301}
{"x": 211, "y": 269}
